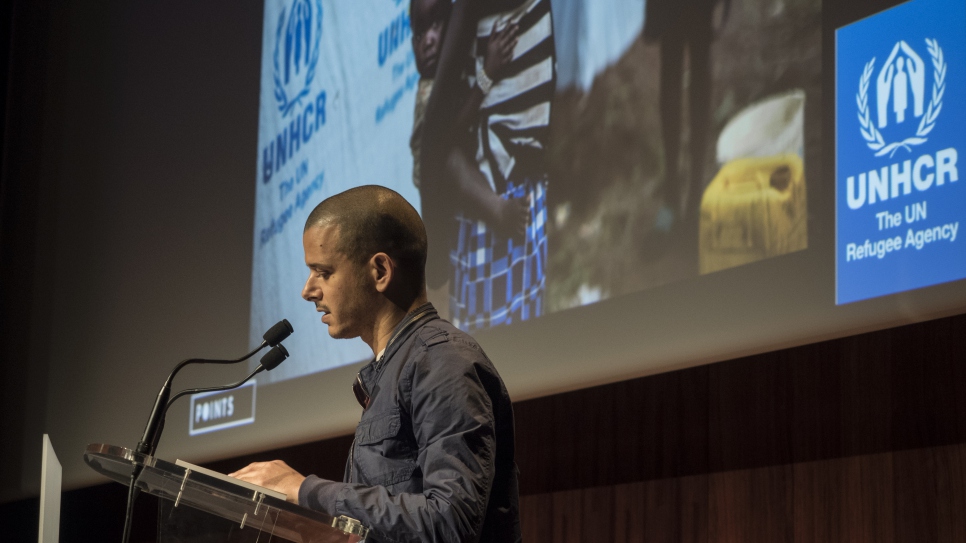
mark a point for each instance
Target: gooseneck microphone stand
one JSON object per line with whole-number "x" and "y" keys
{"x": 152, "y": 431}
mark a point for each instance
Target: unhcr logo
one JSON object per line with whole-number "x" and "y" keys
{"x": 898, "y": 195}
{"x": 900, "y": 92}
{"x": 296, "y": 55}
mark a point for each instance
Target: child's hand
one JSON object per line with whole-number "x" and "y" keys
{"x": 513, "y": 216}
{"x": 499, "y": 50}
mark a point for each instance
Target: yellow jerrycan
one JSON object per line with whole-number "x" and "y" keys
{"x": 756, "y": 205}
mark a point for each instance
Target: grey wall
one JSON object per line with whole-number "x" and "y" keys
{"x": 143, "y": 119}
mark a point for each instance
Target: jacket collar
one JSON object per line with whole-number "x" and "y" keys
{"x": 403, "y": 331}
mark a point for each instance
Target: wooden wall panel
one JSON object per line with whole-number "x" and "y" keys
{"x": 750, "y": 412}
{"x": 895, "y": 389}
{"x": 531, "y": 443}
{"x": 670, "y": 412}
{"x": 930, "y": 500}
{"x": 816, "y": 503}
{"x": 537, "y": 524}
{"x": 916, "y": 495}
{"x": 844, "y": 500}
{"x": 929, "y": 388}
{"x": 675, "y": 510}
{"x": 865, "y": 393}
{"x": 751, "y": 505}
{"x": 629, "y": 518}
{"x": 694, "y": 509}
{"x": 951, "y": 493}
{"x": 866, "y": 495}
{"x": 597, "y": 514}
{"x": 816, "y": 403}
{"x": 664, "y": 510}
{"x": 566, "y": 512}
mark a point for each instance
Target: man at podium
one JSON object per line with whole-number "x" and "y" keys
{"x": 432, "y": 458}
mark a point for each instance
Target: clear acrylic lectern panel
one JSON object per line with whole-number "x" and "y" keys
{"x": 202, "y": 508}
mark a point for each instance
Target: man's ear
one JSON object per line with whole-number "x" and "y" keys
{"x": 382, "y": 269}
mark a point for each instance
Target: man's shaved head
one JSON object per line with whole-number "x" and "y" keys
{"x": 373, "y": 219}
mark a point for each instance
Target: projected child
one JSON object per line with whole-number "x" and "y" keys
{"x": 500, "y": 248}
{"x": 428, "y": 21}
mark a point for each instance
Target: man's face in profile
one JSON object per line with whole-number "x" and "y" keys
{"x": 339, "y": 287}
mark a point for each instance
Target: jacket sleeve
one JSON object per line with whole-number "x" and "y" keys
{"x": 453, "y": 423}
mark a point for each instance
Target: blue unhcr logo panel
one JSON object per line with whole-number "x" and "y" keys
{"x": 899, "y": 137}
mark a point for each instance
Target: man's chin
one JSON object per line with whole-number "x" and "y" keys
{"x": 337, "y": 333}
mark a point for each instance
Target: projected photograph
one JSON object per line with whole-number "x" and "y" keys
{"x": 684, "y": 153}
{"x": 570, "y": 151}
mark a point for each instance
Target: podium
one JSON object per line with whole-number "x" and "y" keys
{"x": 198, "y": 508}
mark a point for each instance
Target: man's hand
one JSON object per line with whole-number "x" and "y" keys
{"x": 275, "y": 475}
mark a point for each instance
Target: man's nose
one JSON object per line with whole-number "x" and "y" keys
{"x": 309, "y": 291}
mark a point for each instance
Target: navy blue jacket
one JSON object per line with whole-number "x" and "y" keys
{"x": 432, "y": 458}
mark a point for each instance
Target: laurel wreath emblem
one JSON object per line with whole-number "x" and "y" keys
{"x": 873, "y": 138}
{"x": 285, "y": 104}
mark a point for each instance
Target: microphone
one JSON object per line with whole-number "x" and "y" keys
{"x": 277, "y": 333}
{"x": 152, "y": 431}
{"x": 273, "y": 358}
